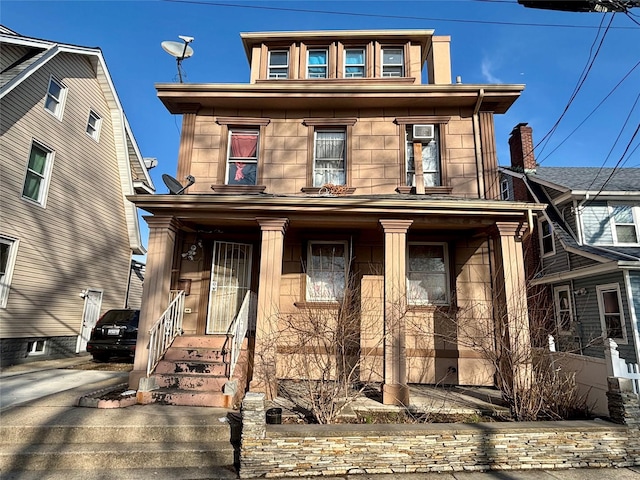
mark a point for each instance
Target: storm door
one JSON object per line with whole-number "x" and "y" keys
{"x": 230, "y": 282}
{"x": 92, "y": 304}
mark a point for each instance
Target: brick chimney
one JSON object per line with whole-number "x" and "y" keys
{"x": 521, "y": 146}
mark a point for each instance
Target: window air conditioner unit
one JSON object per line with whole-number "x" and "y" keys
{"x": 423, "y": 132}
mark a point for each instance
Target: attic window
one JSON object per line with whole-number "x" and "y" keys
{"x": 56, "y": 94}
{"x": 546, "y": 238}
{"x": 93, "y": 125}
{"x": 626, "y": 229}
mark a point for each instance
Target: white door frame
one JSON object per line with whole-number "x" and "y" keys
{"x": 90, "y": 315}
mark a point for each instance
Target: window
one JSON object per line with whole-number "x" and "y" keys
{"x": 430, "y": 149}
{"x": 8, "y": 251}
{"x": 504, "y": 189}
{"x": 611, "y": 316}
{"x": 317, "y": 63}
{"x": 354, "y": 63}
{"x": 329, "y": 157}
{"x": 392, "y": 62}
{"x": 625, "y": 228}
{"x": 427, "y": 274}
{"x": 36, "y": 347}
{"x": 54, "y": 101}
{"x": 278, "y": 64}
{"x": 242, "y": 158}
{"x": 93, "y": 125}
{"x": 326, "y": 271}
{"x": 546, "y": 237}
{"x": 564, "y": 312}
{"x": 36, "y": 182}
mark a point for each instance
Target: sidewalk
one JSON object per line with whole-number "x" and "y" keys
{"x": 60, "y": 409}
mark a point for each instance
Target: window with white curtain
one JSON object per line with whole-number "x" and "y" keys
{"x": 427, "y": 274}
{"x": 564, "y": 311}
{"x": 430, "y": 159}
{"x": 326, "y": 271}
{"x": 329, "y": 157}
{"x": 611, "y": 314}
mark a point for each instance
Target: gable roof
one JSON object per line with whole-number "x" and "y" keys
{"x": 134, "y": 176}
{"x": 580, "y": 180}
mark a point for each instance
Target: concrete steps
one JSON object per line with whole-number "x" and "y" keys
{"x": 100, "y": 448}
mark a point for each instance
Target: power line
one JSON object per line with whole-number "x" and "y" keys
{"x": 396, "y": 17}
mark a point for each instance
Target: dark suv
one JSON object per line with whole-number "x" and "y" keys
{"x": 114, "y": 335}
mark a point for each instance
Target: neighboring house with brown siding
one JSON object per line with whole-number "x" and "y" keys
{"x": 306, "y": 181}
{"x": 68, "y": 161}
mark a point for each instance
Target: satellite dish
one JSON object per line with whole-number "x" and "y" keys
{"x": 179, "y": 51}
{"x": 174, "y": 186}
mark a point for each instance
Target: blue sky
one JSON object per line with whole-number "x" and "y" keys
{"x": 495, "y": 41}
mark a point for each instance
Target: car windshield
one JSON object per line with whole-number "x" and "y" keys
{"x": 120, "y": 317}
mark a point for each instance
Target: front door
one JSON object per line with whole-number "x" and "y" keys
{"x": 230, "y": 281}
{"x": 92, "y": 303}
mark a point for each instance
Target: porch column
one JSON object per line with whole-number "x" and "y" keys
{"x": 511, "y": 304}
{"x": 157, "y": 283}
{"x": 394, "y": 389}
{"x": 271, "y": 251}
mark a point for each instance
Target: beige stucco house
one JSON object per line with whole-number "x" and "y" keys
{"x": 68, "y": 160}
{"x": 307, "y": 187}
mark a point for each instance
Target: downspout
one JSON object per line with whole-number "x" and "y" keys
{"x": 476, "y": 130}
{"x": 633, "y": 314}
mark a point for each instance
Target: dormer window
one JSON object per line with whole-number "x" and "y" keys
{"x": 625, "y": 227}
{"x": 392, "y": 62}
{"x": 317, "y": 63}
{"x": 354, "y": 63}
{"x": 278, "y": 64}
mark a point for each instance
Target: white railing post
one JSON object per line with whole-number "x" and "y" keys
{"x": 552, "y": 344}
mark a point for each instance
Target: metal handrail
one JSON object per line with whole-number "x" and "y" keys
{"x": 166, "y": 329}
{"x": 238, "y": 328}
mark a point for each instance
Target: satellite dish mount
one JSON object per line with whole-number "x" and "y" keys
{"x": 179, "y": 51}
{"x": 174, "y": 186}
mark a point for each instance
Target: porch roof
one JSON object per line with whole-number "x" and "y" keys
{"x": 427, "y": 212}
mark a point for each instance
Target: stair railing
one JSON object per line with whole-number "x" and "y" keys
{"x": 166, "y": 329}
{"x": 238, "y": 329}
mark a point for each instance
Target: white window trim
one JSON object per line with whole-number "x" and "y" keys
{"x": 541, "y": 239}
{"x": 61, "y": 101}
{"x": 5, "y": 283}
{"x": 345, "y": 244}
{"x": 269, "y": 66}
{"x": 255, "y": 130}
{"x": 96, "y": 128}
{"x": 315, "y": 156}
{"x": 447, "y": 273}
{"x": 46, "y": 175}
{"x": 33, "y": 352}
{"x": 363, "y": 65}
{"x": 436, "y": 140}
{"x": 600, "y": 289}
{"x": 326, "y": 65}
{"x": 636, "y": 221}
{"x": 401, "y": 64}
{"x": 505, "y": 192}
{"x": 556, "y": 302}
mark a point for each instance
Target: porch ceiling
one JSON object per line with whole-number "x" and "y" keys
{"x": 335, "y": 212}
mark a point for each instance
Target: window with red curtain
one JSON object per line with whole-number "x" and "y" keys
{"x": 242, "y": 164}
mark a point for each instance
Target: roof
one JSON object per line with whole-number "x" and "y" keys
{"x": 134, "y": 176}
{"x": 589, "y": 179}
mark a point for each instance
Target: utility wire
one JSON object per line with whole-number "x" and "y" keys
{"x": 397, "y": 17}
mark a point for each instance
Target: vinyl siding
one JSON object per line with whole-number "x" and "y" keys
{"x": 9, "y": 54}
{"x": 578, "y": 261}
{"x": 80, "y": 239}
{"x": 588, "y": 315}
{"x": 556, "y": 263}
{"x": 596, "y": 225}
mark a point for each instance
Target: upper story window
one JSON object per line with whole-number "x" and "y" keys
{"x": 8, "y": 251}
{"x": 242, "y": 157}
{"x": 278, "y": 64}
{"x": 326, "y": 271}
{"x": 546, "y": 237}
{"x": 423, "y": 140}
{"x": 504, "y": 189}
{"x": 625, "y": 227}
{"x": 393, "y": 62}
{"x": 354, "y": 63}
{"x": 564, "y": 312}
{"x": 36, "y": 182}
{"x": 427, "y": 274}
{"x": 317, "y": 63}
{"x": 56, "y": 94}
{"x": 329, "y": 164}
{"x": 611, "y": 315}
{"x": 93, "y": 125}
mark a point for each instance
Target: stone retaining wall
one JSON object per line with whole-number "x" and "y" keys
{"x": 306, "y": 450}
